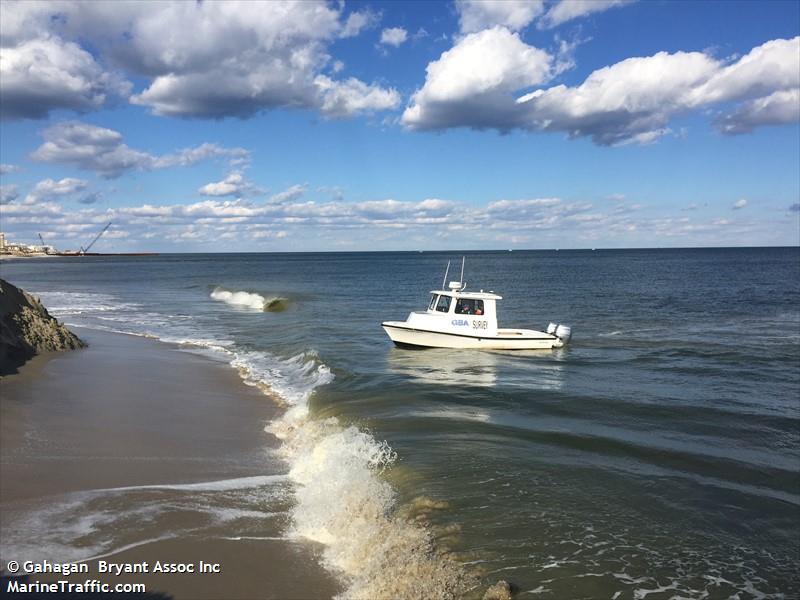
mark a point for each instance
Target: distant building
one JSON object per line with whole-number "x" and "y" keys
{"x": 23, "y": 249}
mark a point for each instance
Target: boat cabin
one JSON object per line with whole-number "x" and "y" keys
{"x": 456, "y": 311}
{"x": 461, "y": 305}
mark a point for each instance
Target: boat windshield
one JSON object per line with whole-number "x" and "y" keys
{"x": 467, "y": 306}
{"x": 432, "y": 304}
{"x": 443, "y": 305}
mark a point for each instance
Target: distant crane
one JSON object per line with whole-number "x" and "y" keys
{"x": 45, "y": 247}
{"x": 89, "y": 247}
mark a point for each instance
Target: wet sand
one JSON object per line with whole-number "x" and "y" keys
{"x": 129, "y": 412}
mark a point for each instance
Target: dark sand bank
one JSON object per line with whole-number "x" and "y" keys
{"x": 134, "y": 450}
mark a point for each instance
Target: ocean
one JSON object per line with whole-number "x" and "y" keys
{"x": 656, "y": 456}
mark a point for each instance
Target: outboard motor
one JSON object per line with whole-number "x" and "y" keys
{"x": 563, "y": 332}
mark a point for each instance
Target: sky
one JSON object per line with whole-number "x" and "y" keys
{"x": 337, "y": 126}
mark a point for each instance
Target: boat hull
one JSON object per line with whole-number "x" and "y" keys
{"x": 405, "y": 336}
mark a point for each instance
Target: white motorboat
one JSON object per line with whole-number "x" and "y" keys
{"x": 456, "y": 318}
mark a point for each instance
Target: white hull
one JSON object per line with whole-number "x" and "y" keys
{"x": 508, "y": 339}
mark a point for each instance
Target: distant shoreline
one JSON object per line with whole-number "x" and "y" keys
{"x": 438, "y": 252}
{"x": 10, "y": 256}
{"x": 76, "y": 255}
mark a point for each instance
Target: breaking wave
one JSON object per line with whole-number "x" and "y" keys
{"x": 250, "y": 300}
{"x": 341, "y": 499}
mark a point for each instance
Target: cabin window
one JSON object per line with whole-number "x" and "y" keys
{"x": 432, "y": 305}
{"x": 469, "y": 306}
{"x": 443, "y": 305}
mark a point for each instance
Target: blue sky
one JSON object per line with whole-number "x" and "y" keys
{"x": 225, "y": 126}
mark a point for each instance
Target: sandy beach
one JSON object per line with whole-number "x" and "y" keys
{"x": 134, "y": 450}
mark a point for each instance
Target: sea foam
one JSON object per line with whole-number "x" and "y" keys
{"x": 342, "y": 502}
{"x": 86, "y": 524}
{"x": 245, "y": 299}
{"x": 341, "y": 499}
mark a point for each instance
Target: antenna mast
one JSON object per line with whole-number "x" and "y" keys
{"x": 463, "y": 258}
{"x": 444, "y": 281}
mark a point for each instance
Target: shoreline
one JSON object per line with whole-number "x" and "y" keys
{"x": 135, "y": 450}
{"x": 11, "y": 256}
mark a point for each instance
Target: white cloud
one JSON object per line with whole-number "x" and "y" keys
{"x": 91, "y": 148}
{"x": 534, "y": 213}
{"x": 778, "y": 108}
{"x": 234, "y": 184}
{"x": 566, "y": 10}
{"x": 358, "y": 21}
{"x": 49, "y": 188}
{"x": 420, "y": 34}
{"x": 396, "y": 211}
{"x": 536, "y": 222}
{"x": 741, "y": 203}
{"x": 634, "y": 100}
{"x": 288, "y": 208}
{"x": 68, "y": 185}
{"x": 481, "y": 81}
{"x": 472, "y": 83}
{"x": 205, "y": 151}
{"x": 12, "y": 211}
{"x": 643, "y": 138}
{"x": 263, "y": 233}
{"x": 394, "y": 36}
{"x": 8, "y": 193}
{"x": 41, "y": 75}
{"x": 102, "y": 150}
{"x": 435, "y": 206}
{"x": 289, "y": 194}
{"x": 515, "y": 208}
{"x": 255, "y": 56}
{"x": 633, "y": 97}
{"x": 774, "y": 65}
{"x": 227, "y": 187}
{"x": 218, "y": 91}
{"x": 565, "y": 55}
{"x": 229, "y": 93}
{"x": 475, "y": 15}
{"x": 198, "y": 59}
{"x": 351, "y": 96}
{"x": 6, "y": 169}
{"x": 91, "y": 198}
